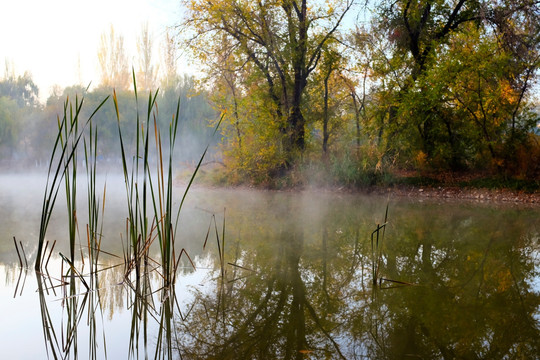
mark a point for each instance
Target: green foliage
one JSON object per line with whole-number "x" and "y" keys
{"x": 264, "y": 51}
{"x": 8, "y": 125}
{"x": 426, "y": 86}
{"x": 18, "y": 100}
{"x": 452, "y": 86}
{"x": 259, "y": 159}
{"x": 360, "y": 169}
{"x": 21, "y": 89}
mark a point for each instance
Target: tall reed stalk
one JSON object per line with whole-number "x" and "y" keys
{"x": 141, "y": 307}
{"x": 70, "y": 170}
{"x": 157, "y": 186}
{"x": 52, "y": 345}
{"x": 62, "y": 158}
{"x": 94, "y": 228}
{"x": 138, "y": 232}
{"x": 162, "y": 198}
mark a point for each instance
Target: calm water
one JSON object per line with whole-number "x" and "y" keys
{"x": 454, "y": 280}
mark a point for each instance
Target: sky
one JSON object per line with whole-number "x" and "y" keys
{"x": 50, "y": 38}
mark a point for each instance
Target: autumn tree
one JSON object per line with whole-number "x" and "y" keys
{"x": 330, "y": 66}
{"x": 280, "y": 42}
{"x": 421, "y": 98}
{"x": 169, "y": 71}
{"x": 113, "y": 60}
{"x": 328, "y": 97}
{"x": 147, "y": 71}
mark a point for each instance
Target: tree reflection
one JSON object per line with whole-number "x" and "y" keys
{"x": 303, "y": 291}
{"x": 473, "y": 297}
{"x": 264, "y": 305}
{"x": 460, "y": 282}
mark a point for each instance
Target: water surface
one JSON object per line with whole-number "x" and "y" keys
{"x": 454, "y": 279}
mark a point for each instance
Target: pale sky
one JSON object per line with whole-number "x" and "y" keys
{"x": 48, "y": 37}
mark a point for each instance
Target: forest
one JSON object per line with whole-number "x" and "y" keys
{"x": 327, "y": 92}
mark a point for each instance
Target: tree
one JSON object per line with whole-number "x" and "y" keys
{"x": 329, "y": 65}
{"x": 168, "y": 61}
{"x": 113, "y": 61}
{"x": 8, "y": 125}
{"x": 327, "y": 95}
{"x": 147, "y": 72}
{"x": 21, "y": 89}
{"x": 18, "y": 102}
{"x": 282, "y": 41}
{"x": 421, "y": 107}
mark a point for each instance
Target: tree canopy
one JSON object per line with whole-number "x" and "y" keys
{"x": 440, "y": 84}
{"x": 272, "y": 47}
{"x": 337, "y": 90}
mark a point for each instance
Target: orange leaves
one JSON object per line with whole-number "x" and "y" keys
{"x": 507, "y": 93}
{"x": 504, "y": 280}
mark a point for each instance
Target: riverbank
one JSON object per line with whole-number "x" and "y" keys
{"x": 452, "y": 192}
{"x": 479, "y": 187}
{"x": 470, "y": 186}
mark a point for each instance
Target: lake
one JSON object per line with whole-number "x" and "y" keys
{"x": 291, "y": 275}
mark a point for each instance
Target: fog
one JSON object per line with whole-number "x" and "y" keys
{"x": 28, "y": 130}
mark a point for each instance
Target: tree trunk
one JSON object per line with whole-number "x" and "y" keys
{"x": 326, "y": 115}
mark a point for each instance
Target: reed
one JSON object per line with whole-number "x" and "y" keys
{"x": 219, "y": 241}
{"x": 94, "y": 228}
{"x": 70, "y": 171}
{"x": 52, "y": 345}
{"x": 376, "y": 247}
{"x": 162, "y": 199}
{"x": 141, "y": 307}
{"x": 19, "y": 253}
{"x": 156, "y": 192}
{"x": 61, "y": 165}
{"x": 94, "y": 304}
{"x": 138, "y": 231}
{"x": 152, "y": 215}
{"x": 164, "y": 338}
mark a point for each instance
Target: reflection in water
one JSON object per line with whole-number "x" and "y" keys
{"x": 292, "y": 279}
{"x": 81, "y": 311}
{"x": 300, "y": 289}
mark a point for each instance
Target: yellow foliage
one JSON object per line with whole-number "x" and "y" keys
{"x": 421, "y": 159}
{"x": 505, "y": 281}
{"x": 507, "y": 93}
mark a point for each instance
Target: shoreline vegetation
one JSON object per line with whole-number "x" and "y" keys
{"x": 414, "y": 184}
{"x": 307, "y": 100}
{"x": 445, "y": 185}
{"x": 473, "y": 186}
{"x": 460, "y": 120}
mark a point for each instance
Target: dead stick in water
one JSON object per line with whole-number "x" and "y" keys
{"x": 44, "y": 252}
{"x": 24, "y": 254}
{"x": 18, "y": 254}
{"x": 50, "y": 253}
{"x": 397, "y": 282}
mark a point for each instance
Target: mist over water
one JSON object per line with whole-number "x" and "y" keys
{"x": 294, "y": 253}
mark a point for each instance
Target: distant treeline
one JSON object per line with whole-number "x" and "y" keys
{"x": 28, "y": 128}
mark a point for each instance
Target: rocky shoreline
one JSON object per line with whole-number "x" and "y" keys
{"x": 475, "y": 194}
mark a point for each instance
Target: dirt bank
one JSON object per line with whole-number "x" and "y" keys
{"x": 452, "y": 185}
{"x": 452, "y": 192}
